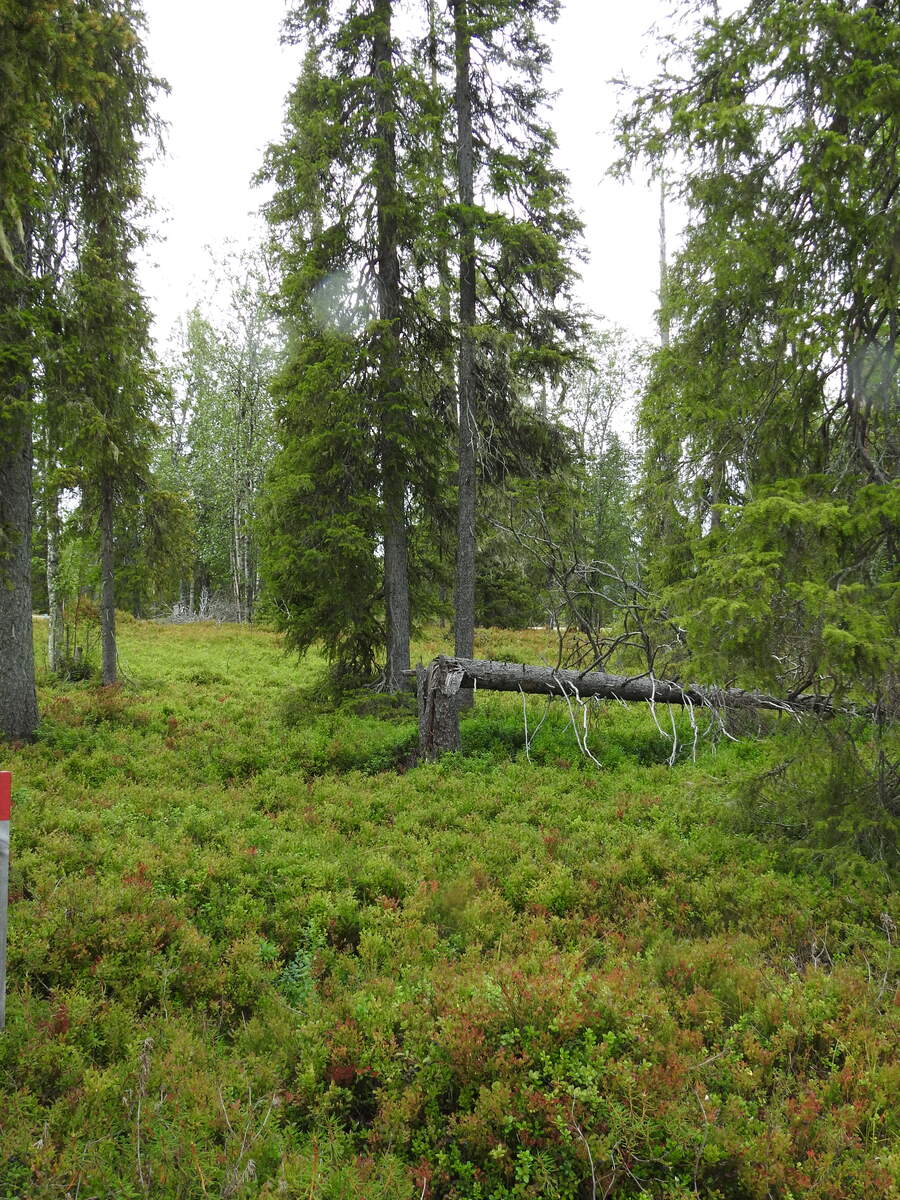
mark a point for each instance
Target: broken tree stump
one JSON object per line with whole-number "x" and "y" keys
{"x": 437, "y": 687}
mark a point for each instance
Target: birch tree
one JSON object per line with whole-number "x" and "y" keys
{"x": 221, "y": 431}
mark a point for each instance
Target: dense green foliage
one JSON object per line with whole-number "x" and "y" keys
{"x": 357, "y": 421}
{"x": 76, "y": 113}
{"x": 770, "y": 426}
{"x": 249, "y": 957}
{"x": 367, "y": 405}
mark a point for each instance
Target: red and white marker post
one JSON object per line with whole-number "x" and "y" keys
{"x": 5, "y": 805}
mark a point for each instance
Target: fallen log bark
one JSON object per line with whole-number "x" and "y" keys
{"x": 445, "y": 677}
{"x": 519, "y": 677}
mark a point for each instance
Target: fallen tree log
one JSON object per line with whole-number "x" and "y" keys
{"x": 439, "y": 684}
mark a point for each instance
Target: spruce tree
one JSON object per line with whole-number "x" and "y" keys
{"x": 27, "y": 63}
{"x": 770, "y": 425}
{"x": 517, "y": 324}
{"x": 111, "y": 374}
{"x": 63, "y": 67}
{"x": 355, "y": 418}
{"x": 369, "y": 190}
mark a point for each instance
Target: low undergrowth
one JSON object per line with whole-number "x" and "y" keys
{"x": 256, "y": 951}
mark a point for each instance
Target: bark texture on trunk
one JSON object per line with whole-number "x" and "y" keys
{"x": 107, "y": 585}
{"x": 437, "y": 690}
{"x": 396, "y": 586}
{"x": 664, "y": 324}
{"x": 518, "y": 677}
{"x": 446, "y": 677}
{"x": 235, "y": 556}
{"x": 464, "y": 627}
{"x": 18, "y": 699}
{"x": 54, "y": 596}
{"x": 393, "y": 415}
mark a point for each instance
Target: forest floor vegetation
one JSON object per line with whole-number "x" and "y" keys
{"x": 255, "y": 950}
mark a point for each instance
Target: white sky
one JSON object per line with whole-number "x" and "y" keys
{"x": 229, "y": 77}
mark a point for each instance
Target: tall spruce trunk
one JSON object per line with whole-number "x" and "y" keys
{"x": 464, "y": 626}
{"x": 392, "y": 415}
{"x": 54, "y": 593}
{"x": 664, "y": 323}
{"x": 445, "y": 292}
{"x": 18, "y": 699}
{"x": 445, "y": 277}
{"x": 108, "y": 671}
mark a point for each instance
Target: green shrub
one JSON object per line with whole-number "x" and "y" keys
{"x": 234, "y": 941}
{"x": 837, "y": 787}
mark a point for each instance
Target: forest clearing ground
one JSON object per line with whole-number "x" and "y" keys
{"x": 253, "y": 952}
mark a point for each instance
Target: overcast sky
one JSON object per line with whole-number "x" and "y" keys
{"x": 229, "y": 76}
